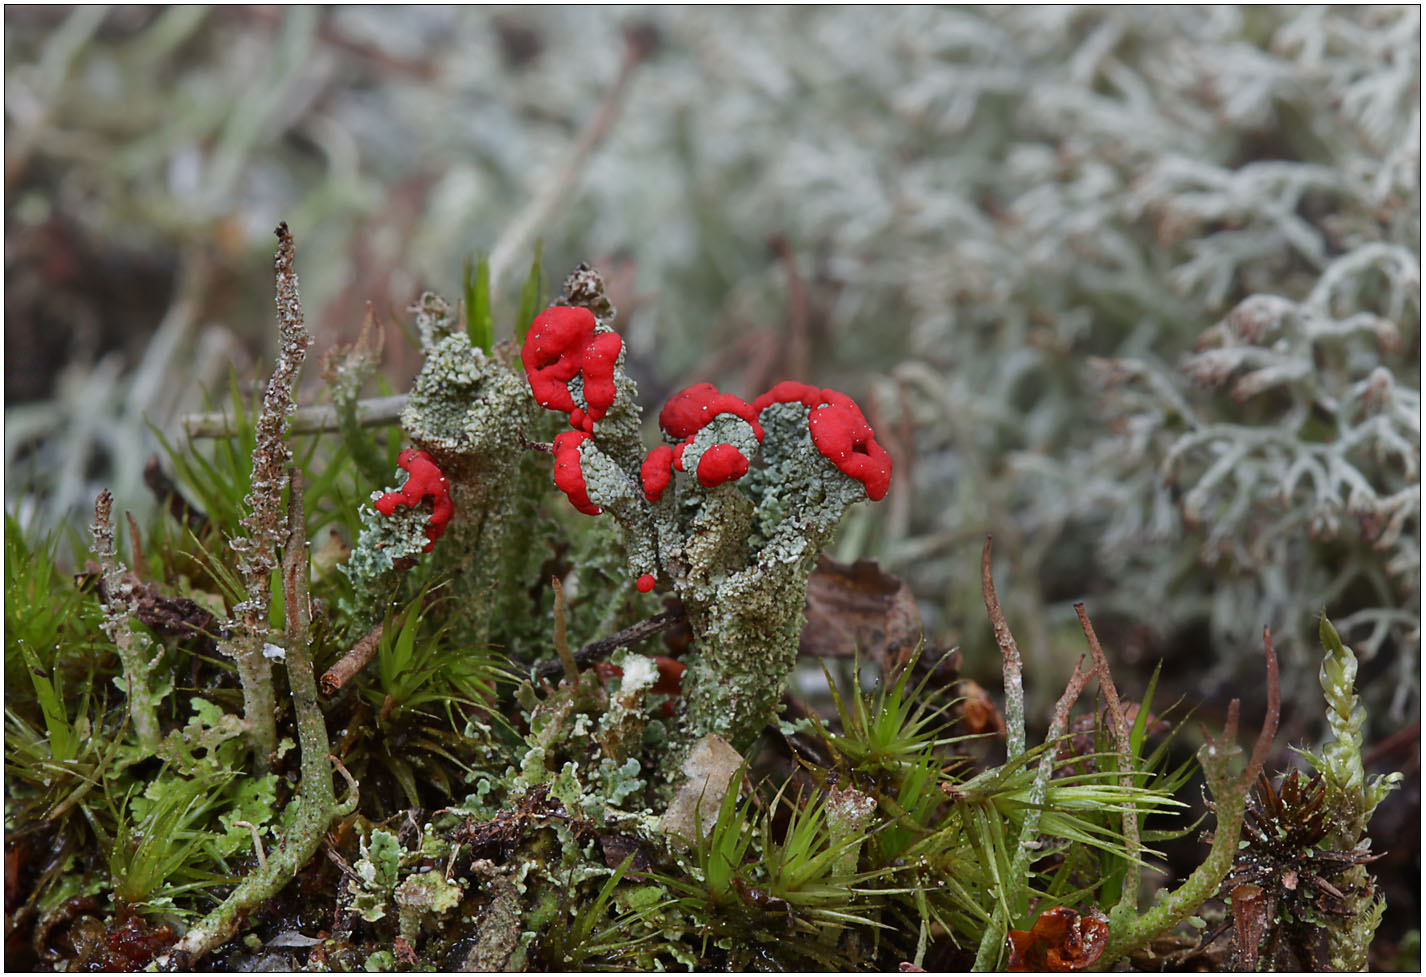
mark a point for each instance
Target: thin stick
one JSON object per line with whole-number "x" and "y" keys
{"x": 257, "y": 843}
{"x": 602, "y": 648}
{"x": 988, "y": 954}
{"x": 136, "y": 548}
{"x": 315, "y": 419}
{"x": 1123, "y": 751}
{"x": 353, "y": 661}
{"x": 571, "y": 670}
{"x": 1059, "y": 720}
{"x": 1264, "y": 743}
{"x": 1010, "y": 665}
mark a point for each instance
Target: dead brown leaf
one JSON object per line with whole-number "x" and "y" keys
{"x": 976, "y": 710}
{"x": 858, "y": 609}
{"x": 1060, "y": 941}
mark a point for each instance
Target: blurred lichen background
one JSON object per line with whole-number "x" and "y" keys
{"x": 1136, "y": 290}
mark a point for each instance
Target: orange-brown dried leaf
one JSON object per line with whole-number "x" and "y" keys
{"x": 976, "y": 711}
{"x": 1060, "y": 941}
{"x": 857, "y": 608}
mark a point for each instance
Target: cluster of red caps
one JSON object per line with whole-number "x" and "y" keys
{"x": 839, "y": 430}
{"x": 424, "y": 480}
{"x": 563, "y": 344}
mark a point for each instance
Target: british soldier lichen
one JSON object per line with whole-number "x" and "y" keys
{"x": 763, "y": 489}
{"x": 729, "y": 513}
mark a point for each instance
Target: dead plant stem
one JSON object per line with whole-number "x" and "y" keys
{"x": 1123, "y": 754}
{"x": 1010, "y": 662}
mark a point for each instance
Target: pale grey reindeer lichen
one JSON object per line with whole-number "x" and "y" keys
{"x": 1124, "y": 230}
{"x": 1314, "y": 450}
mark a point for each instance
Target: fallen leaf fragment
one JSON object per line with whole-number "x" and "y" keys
{"x": 1060, "y": 941}
{"x": 709, "y": 768}
{"x": 855, "y": 607}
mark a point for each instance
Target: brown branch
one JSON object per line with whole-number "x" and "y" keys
{"x": 1060, "y": 718}
{"x": 136, "y": 548}
{"x": 353, "y": 661}
{"x": 315, "y": 419}
{"x": 571, "y": 670}
{"x": 1264, "y": 743}
{"x": 1011, "y": 661}
{"x": 604, "y": 647}
{"x": 1123, "y": 752}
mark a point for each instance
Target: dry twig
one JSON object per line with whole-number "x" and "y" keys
{"x": 571, "y": 670}
{"x": 353, "y": 661}
{"x": 1010, "y": 664}
{"x": 1123, "y": 752}
{"x": 316, "y": 419}
{"x": 606, "y": 646}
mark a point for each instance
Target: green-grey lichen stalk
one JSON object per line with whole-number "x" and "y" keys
{"x": 316, "y": 803}
{"x": 1351, "y": 799}
{"x": 257, "y": 551}
{"x": 735, "y": 538}
{"x": 132, "y": 646}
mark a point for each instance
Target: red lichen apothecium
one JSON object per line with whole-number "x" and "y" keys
{"x": 424, "y": 480}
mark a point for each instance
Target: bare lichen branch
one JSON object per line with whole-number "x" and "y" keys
{"x": 118, "y": 598}
{"x": 1010, "y": 662}
{"x": 1230, "y": 795}
{"x": 1119, "y": 723}
{"x": 561, "y": 640}
{"x": 257, "y": 550}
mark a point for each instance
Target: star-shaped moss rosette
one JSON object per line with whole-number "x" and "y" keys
{"x": 729, "y": 512}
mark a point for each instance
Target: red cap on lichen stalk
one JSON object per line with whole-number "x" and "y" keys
{"x": 844, "y": 438}
{"x": 689, "y": 411}
{"x": 839, "y": 430}
{"x": 721, "y": 463}
{"x": 562, "y": 344}
{"x": 424, "y": 481}
{"x": 569, "y": 474}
